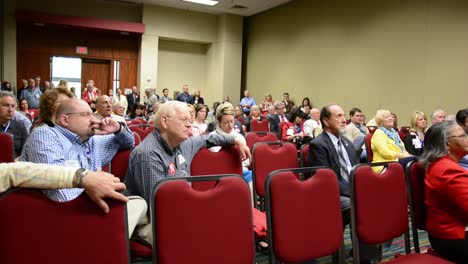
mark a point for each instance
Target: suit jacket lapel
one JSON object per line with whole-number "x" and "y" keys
{"x": 331, "y": 147}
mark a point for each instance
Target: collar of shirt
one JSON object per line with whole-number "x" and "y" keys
{"x": 74, "y": 138}
{"x": 165, "y": 146}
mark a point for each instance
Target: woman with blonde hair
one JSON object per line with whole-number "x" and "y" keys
{"x": 385, "y": 143}
{"x": 266, "y": 103}
{"x": 414, "y": 140}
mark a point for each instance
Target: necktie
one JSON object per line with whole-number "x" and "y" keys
{"x": 343, "y": 167}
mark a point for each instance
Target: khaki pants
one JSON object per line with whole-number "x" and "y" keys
{"x": 137, "y": 219}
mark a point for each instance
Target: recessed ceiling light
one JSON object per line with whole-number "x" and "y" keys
{"x": 203, "y": 2}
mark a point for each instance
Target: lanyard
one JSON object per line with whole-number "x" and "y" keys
{"x": 7, "y": 126}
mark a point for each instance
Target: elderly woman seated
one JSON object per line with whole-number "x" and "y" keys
{"x": 446, "y": 190}
{"x": 385, "y": 143}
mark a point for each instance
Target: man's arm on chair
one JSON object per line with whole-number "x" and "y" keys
{"x": 98, "y": 185}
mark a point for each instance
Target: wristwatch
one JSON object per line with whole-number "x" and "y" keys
{"x": 80, "y": 174}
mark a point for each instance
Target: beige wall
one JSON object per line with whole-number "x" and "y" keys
{"x": 220, "y": 37}
{"x": 9, "y": 44}
{"x": 181, "y": 63}
{"x": 400, "y": 55}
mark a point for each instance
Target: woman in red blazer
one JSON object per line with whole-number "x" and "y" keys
{"x": 446, "y": 190}
{"x": 293, "y": 130}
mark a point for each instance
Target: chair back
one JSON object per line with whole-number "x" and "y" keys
{"x": 268, "y": 157}
{"x": 259, "y": 126}
{"x": 379, "y": 205}
{"x": 405, "y": 129}
{"x": 8, "y": 148}
{"x": 304, "y": 217}
{"x": 415, "y": 175}
{"x": 402, "y": 135}
{"x": 372, "y": 129}
{"x": 218, "y": 222}
{"x": 35, "y": 229}
{"x": 119, "y": 164}
{"x": 370, "y": 153}
{"x": 304, "y": 154}
{"x": 142, "y": 130}
{"x": 254, "y": 137}
{"x": 206, "y": 162}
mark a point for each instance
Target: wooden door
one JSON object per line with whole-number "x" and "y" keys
{"x": 99, "y": 71}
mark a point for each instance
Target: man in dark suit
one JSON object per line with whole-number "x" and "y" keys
{"x": 336, "y": 152}
{"x": 132, "y": 98}
{"x": 275, "y": 120}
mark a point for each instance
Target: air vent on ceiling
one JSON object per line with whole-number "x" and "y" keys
{"x": 238, "y": 7}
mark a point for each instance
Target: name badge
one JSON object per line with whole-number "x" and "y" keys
{"x": 416, "y": 143}
{"x": 181, "y": 159}
{"x": 72, "y": 164}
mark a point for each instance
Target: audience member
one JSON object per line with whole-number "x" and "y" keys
{"x": 200, "y": 125}
{"x": 331, "y": 150}
{"x": 23, "y": 85}
{"x": 8, "y": 125}
{"x": 6, "y": 86}
{"x": 90, "y": 95}
{"x": 150, "y": 99}
{"x": 227, "y": 99}
{"x": 306, "y": 111}
{"x": 437, "y": 116}
{"x": 247, "y": 102}
{"x": 225, "y": 117}
{"x": 462, "y": 120}
{"x": 119, "y": 109}
{"x": 356, "y": 132}
{"x": 395, "y": 121}
{"x": 138, "y": 111}
{"x": 305, "y": 102}
{"x": 64, "y": 84}
{"x": 185, "y": 96}
{"x": 287, "y": 103}
{"x": 48, "y": 86}
{"x": 276, "y": 120}
{"x": 312, "y": 124}
{"x": 72, "y": 143}
{"x": 267, "y": 103}
{"x": 255, "y": 114}
{"x": 446, "y": 190}
{"x": 241, "y": 117}
{"x": 120, "y": 98}
{"x": 271, "y": 112}
{"x": 23, "y": 120}
{"x": 293, "y": 129}
{"x": 50, "y": 101}
{"x": 104, "y": 109}
{"x": 197, "y": 99}
{"x": 414, "y": 140}
{"x": 98, "y": 185}
{"x": 168, "y": 151}
{"x": 386, "y": 143}
{"x": 212, "y": 115}
{"x": 73, "y": 91}
{"x": 24, "y": 110}
{"x": 165, "y": 97}
{"x": 31, "y": 94}
{"x": 133, "y": 98}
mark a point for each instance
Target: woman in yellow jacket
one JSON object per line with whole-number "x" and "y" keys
{"x": 385, "y": 143}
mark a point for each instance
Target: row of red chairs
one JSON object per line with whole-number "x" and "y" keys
{"x": 296, "y": 234}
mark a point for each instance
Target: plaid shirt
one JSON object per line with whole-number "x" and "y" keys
{"x": 154, "y": 160}
{"x": 59, "y": 146}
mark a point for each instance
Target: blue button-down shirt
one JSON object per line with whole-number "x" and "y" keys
{"x": 59, "y": 146}
{"x": 32, "y": 97}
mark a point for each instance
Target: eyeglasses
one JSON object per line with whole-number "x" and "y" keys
{"x": 465, "y": 136}
{"x": 185, "y": 120}
{"x": 82, "y": 114}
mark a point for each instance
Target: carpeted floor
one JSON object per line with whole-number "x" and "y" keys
{"x": 397, "y": 247}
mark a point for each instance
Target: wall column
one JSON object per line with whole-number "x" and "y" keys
{"x": 148, "y": 67}
{"x": 8, "y": 47}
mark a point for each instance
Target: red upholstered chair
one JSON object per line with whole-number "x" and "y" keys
{"x": 268, "y": 157}
{"x": 34, "y": 113}
{"x": 304, "y": 154}
{"x": 415, "y": 175}
{"x": 142, "y": 130}
{"x": 8, "y": 148}
{"x": 370, "y": 153}
{"x": 217, "y": 222}
{"x": 402, "y": 135}
{"x": 254, "y": 137}
{"x": 260, "y": 126}
{"x": 405, "y": 129}
{"x": 205, "y": 162}
{"x": 119, "y": 164}
{"x": 304, "y": 217}
{"x": 372, "y": 129}
{"x": 379, "y": 210}
{"x": 137, "y": 138}
{"x": 36, "y": 229}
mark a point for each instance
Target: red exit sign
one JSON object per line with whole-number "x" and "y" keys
{"x": 81, "y": 50}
